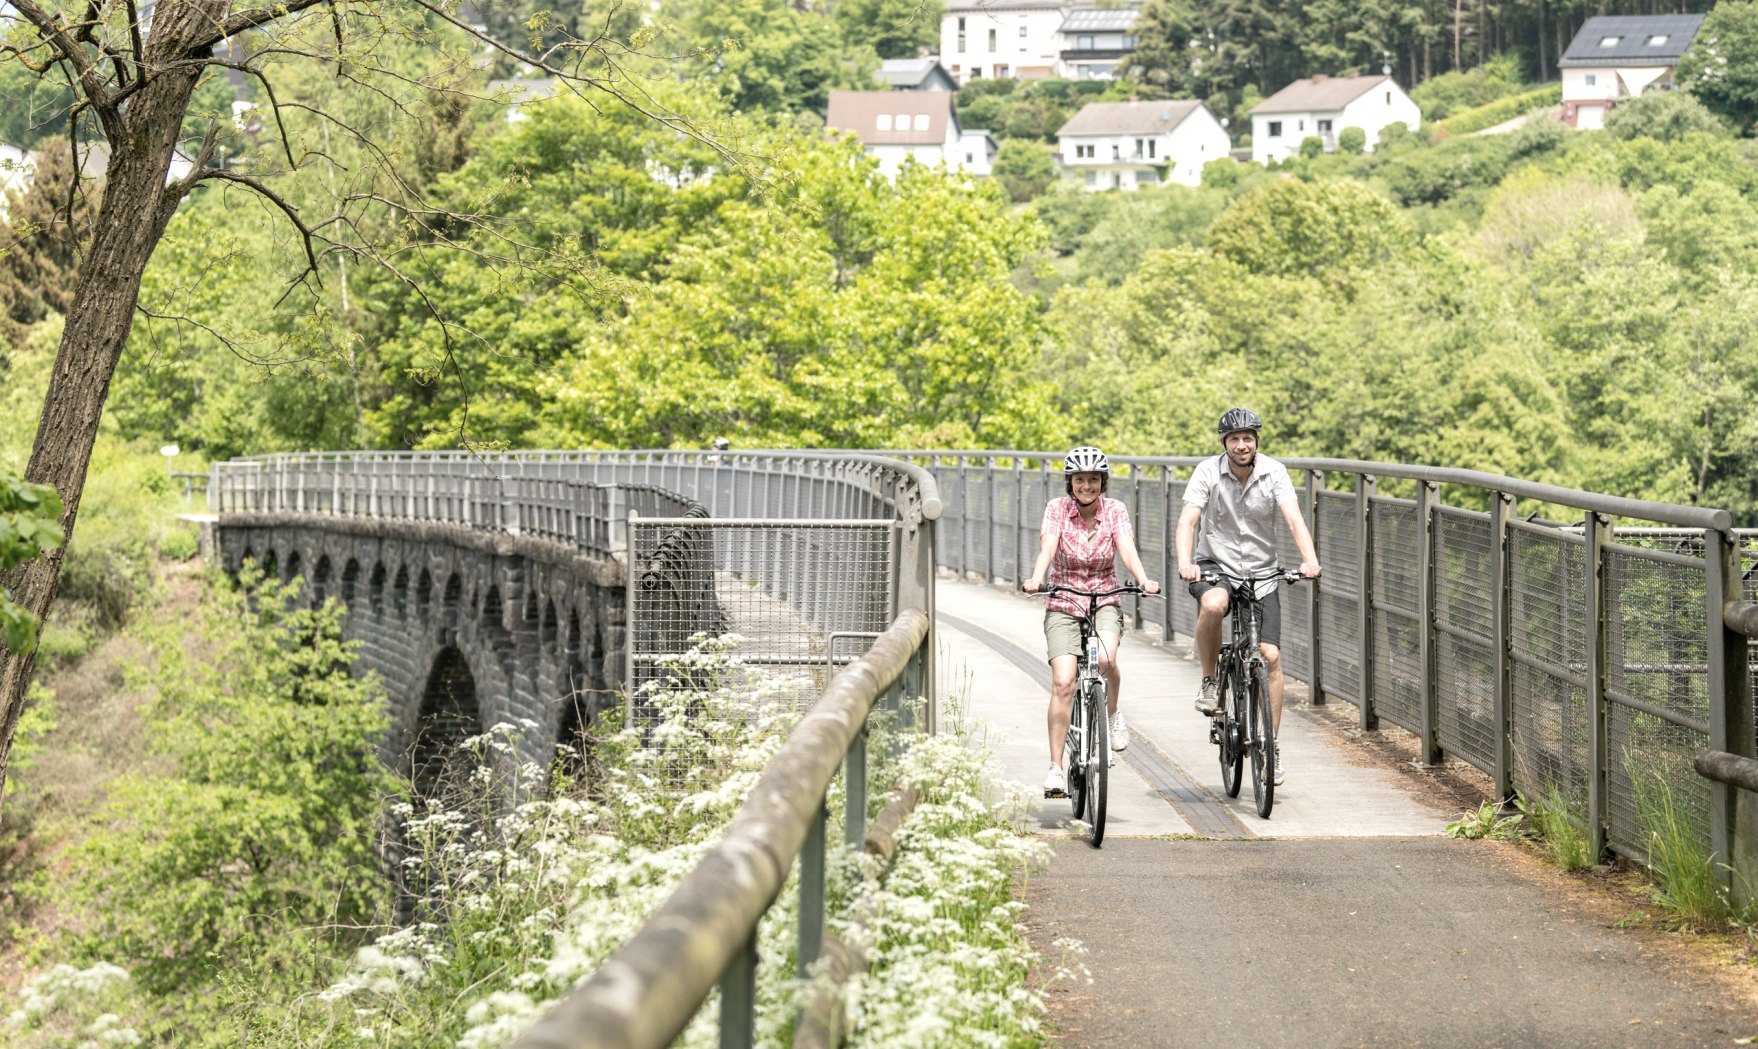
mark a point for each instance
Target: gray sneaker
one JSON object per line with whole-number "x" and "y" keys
{"x": 1208, "y": 701}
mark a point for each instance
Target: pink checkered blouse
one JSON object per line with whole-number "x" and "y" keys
{"x": 1083, "y": 559}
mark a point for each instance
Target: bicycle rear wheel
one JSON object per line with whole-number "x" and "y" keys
{"x": 1263, "y": 744}
{"x": 1232, "y": 733}
{"x": 1098, "y": 761}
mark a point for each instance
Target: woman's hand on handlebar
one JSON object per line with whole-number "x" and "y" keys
{"x": 1031, "y": 585}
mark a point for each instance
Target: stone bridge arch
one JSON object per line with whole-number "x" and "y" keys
{"x": 535, "y": 629}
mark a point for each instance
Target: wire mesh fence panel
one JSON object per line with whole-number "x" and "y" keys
{"x": 1296, "y": 619}
{"x": 1004, "y": 491}
{"x": 1397, "y": 625}
{"x": 1464, "y": 556}
{"x": 1547, "y": 642}
{"x": 1657, "y": 690}
{"x": 1338, "y": 611}
{"x": 976, "y": 511}
{"x": 802, "y": 598}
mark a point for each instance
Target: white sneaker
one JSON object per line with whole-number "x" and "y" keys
{"x": 1281, "y": 769}
{"x": 1119, "y": 732}
{"x": 1055, "y": 783}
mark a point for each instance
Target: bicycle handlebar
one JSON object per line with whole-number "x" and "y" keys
{"x": 1286, "y": 575}
{"x": 1059, "y": 588}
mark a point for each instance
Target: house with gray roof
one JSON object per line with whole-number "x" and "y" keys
{"x": 1323, "y": 106}
{"x": 915, "y": 74}
{"x": 1618, "y": 57}
{"x": 1095, "y": 42}
{"x": 1127, "y": 145}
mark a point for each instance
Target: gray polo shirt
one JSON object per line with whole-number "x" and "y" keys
{"x": 1238, "y": 530}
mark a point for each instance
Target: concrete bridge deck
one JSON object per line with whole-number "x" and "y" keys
{"x": 1345, "y": 920}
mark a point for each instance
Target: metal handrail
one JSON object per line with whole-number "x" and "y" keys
{"x": 645, "y": 993}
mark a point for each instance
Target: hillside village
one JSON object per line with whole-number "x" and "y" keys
{"x": 1095, "y": 120}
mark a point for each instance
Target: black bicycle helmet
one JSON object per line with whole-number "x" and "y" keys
{"x": 1236, "y": 419}
{"x": 1086, "y": 459}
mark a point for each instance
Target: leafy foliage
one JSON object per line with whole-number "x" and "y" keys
{"x": 1024, "y": 169}
{"x": 1664, "y": 115}
{"x": 29, "y": 527}
{"x": 260, "y": 849}
{"x": 1721, "y": 68}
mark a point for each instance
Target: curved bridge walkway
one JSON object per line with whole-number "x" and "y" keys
{"x": 1347, "y": 919}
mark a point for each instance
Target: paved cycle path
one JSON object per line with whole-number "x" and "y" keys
{"x": 1345, "y": 920}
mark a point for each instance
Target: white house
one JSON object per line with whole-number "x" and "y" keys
{"x": 1323, "y": 106}
{"x": 16, "y": 168}
{"x": 976, "y": 151}
{"x": 893, "y": 125}
{"x": 1095, "y": 42}
{"x": 1001, "y": 38}
{"x": 1123, "y": 145}
{"x": 1615, "y": 57}
{"x": 915, "y": 74}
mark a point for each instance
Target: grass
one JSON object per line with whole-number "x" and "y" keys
{"x": 1485, "y": 821}
{"x": 1690, "y": 884}
{"x": 1549, "y": 815}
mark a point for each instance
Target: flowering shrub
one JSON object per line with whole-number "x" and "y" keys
{"x": 524, "y": 881}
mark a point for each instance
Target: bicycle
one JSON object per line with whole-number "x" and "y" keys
{"x": 1245, "y": 723}
{"x": 1086, "y": 755}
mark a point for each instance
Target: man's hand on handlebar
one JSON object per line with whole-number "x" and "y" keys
{"x": 1310, "y": 569}
{"x": 1190, "y": 573}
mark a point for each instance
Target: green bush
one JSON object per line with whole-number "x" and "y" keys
{"x": 1665, "y": 115}
{"x": 1312, "y": 147}
{"x": 1449, "y": 93}
{"x": 1024, "y": 168}
{"x": 1222, "y": 173}
{"x": 1352, "y": 140}
{"x": 1473, "y": 120}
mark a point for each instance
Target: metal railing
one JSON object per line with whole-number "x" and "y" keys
{"x": 1573, "y": 656}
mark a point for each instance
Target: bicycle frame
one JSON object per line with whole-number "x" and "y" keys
{"x": 1244, "y": 724}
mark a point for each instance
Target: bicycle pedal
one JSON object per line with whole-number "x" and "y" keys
{"x": 1214, "y": 731}
{"x": 1054, "y": 794}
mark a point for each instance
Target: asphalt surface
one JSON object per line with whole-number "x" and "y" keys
{"x": 1344, "y": 920}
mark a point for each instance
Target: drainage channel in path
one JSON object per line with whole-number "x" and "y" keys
{"x": 1206, "y": 815}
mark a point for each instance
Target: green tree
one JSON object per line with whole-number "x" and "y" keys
{"x": 258, "y": 850}
{"x": 1296, "y": 227}
{"x": 39, "y": 244}
{"x": 772, "y": 55}
{"x": 1664, "y": 115}
{"x": 1721, "y": 68}
{"x": 1024, "y": 168}
{"x": 894, "y": 28}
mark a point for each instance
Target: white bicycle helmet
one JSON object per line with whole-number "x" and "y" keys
{"x": 1085, "y": 460}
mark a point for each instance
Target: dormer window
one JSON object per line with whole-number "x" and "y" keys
{"x": 1656, "y": 40}
{"x": 921, "y": 121}
{"x": 1610, "y": 41}
{"x": 885, "y": 122}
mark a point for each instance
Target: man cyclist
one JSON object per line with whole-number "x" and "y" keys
{"x": 1235, "y": 497}
{"x": 1083, "y": 535}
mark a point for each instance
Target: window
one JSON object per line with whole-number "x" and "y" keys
{"x": 1001, "y": 70}
{"x": 1656, "y": 40}
{"x": 1275, "y": 129}
{"x": 1022, "y": 32}
{"x": 1083, "y": 43}
{"x": 885, "y": 122}
{"x": 1592, "y": 79}
{"x": 1140, "y": 147}
{"x": 1324, "y": 127}
{"x": 991, "y": 39}
{"x": 921, "y": 121}
{"x": 1610, "y": 41}
{"x": 970, "y": 158}
{"x": 1083, "y": 152}
{"x": 1128, "y": 43}
{"x": 1116, "y": 151}
{"x": 955, "y": 69}
{"x": 1151, "y": 145}
{"x": 1388, "y": 98}
{"x": 1300, "y": 125}
{"x": 1092, "y": 178}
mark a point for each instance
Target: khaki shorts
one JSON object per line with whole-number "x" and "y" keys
{"x": 1062, "y": 631}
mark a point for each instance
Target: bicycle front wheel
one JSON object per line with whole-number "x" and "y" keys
{"x": 1232, "y": 734}
{"x": 1263, "y": 743}
{"x": 1073, "y": 763}
{"x": 1098, "y": 759}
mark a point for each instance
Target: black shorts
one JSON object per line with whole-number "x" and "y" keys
{"x": 1270, "y": 630}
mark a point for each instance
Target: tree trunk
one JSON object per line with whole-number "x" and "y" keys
{"x": 136, "y": 208}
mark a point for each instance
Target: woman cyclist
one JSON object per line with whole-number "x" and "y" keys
{"x": 1083, "y": 535}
